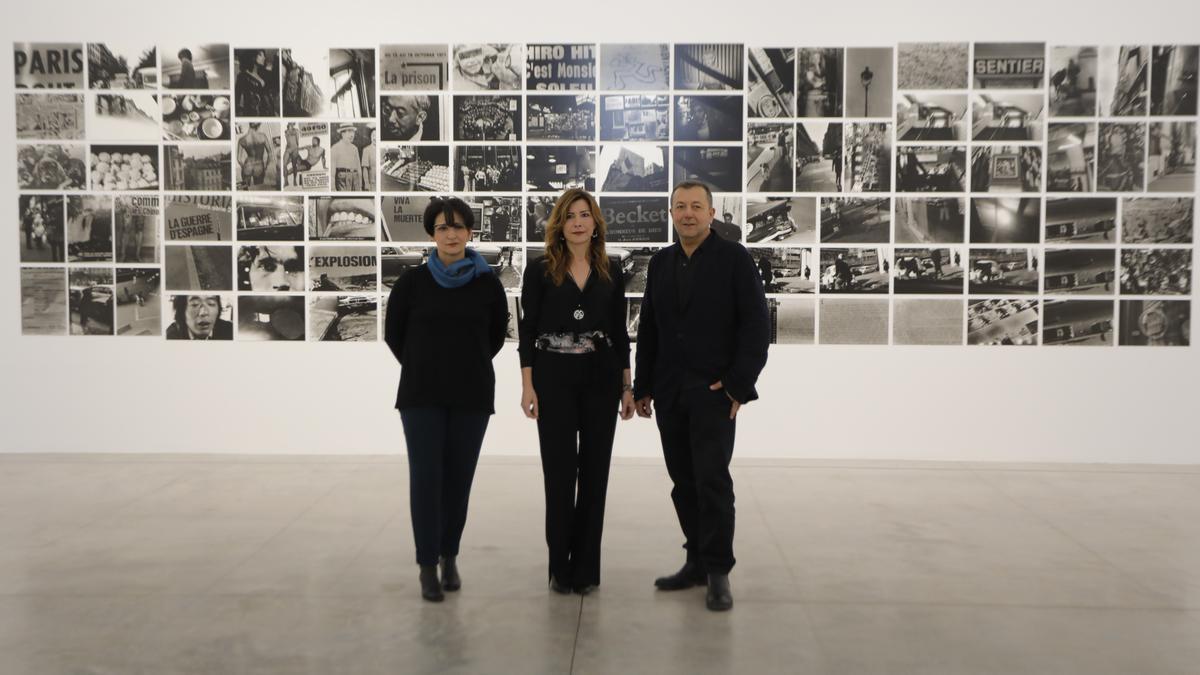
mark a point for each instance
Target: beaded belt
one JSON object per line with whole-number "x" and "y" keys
{"x": 572, "y": 343}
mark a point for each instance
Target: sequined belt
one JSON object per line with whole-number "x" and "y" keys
{"x": 572, "y": 343}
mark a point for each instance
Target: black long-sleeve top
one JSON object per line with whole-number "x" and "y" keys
{"x": 551, "y": 309}
{"x": 445, "y": 339}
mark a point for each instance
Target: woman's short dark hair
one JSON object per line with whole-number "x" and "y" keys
{"x": 449, "y": 207}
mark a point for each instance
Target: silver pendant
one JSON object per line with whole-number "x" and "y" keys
{"x": 579, "y": 315}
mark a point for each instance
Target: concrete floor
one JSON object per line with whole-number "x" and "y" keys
{"x": 157, "y": 564}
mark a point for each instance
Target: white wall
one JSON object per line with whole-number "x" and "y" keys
{"x": 1037, "y": 404}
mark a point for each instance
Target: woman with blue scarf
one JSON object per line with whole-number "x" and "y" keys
{"x": 445, "y": 322}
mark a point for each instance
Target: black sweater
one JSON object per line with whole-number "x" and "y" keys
{"x": 547, "y": 308}
{"x": 445, "y": 339}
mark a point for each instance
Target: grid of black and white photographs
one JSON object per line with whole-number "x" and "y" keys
{"x": 924, "y": 193}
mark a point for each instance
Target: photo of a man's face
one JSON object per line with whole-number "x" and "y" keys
{"x": 201, "y": 315}
{"x": 273, "y": 268}
{"x": 404, "y": 116}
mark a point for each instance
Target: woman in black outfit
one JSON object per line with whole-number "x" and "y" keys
{"x": 574, "y": 350}
{"x": 446, "y": 320}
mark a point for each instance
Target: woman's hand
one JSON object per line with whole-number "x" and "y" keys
{"x": 529, "y": 402}
{"x": 626, "y": 404}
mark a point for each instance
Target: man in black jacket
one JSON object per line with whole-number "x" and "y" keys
{"x": 702, "y": 342}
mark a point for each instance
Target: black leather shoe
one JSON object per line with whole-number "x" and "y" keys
{"x": 450, "y": 579}
{"x": 688, "y": 576}
{"x": 431, "y": 588}
{"x": 719, "y": 597}
{"x": 557, "y": 587}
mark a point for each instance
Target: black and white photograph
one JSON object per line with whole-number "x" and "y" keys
{"x": 931, "y": 168}
{"x": 560, "y": 67}
{"x": 928, "y": 321}
{"x": 555, "y": 168}
{"x": 642, "y": 117}
{"x": 1071, "y": 157}
{"x": 1171, "y": 166}
{"x": 727, "y": 215}
{"x": 414, "y": 168}
{"x": 195, "y": 66}
{"x": 1009, "y": 65}
{"x": 90, "y": 298}
{"x": 267, "y": 317}
{"x": 709, "y": 66}
{"x": 352, "y": 157}
{"x": 351, "y": 83}
{"x": 306, "y": 86}
{"x": 929, "y": 271}
{"x": 1006, "y": 168}
{"x": 306, "y": 156}
{"x": 122, "y": 65}
{"x": 869, "y": 81}
{"x": 256, "y": 85}
{"x": 853, "y": 321}
{"x": 487, "y": 118}
{"x": 1173, "y": 79}
{"x": 484, "y": 67}
{"x": 1081, "y": 220}
{"x": 487, "y": 168}
{"x": 780, "y": 220}
{"x": 515, "y": 316}
{"x": 49, "y": 65}
{"x": 819, "y": 157}
{"x": 1073, "y": 81}
{"x": 198, "y": 217}
{"x": 793, "y": 320}
{"x": 270, "y": 268}
{"x": 1122, "y": 80}
{"x": 868, "y": 158}
{"x": 124, "y": 116}
{"x": 1121, "y": 161}
{"x": 197, "y": 166}
{"x": 701, "y": 118}
{"x": 786, "y": 270}
{"x": 1157, "y": 220}
{"x": 635, "y": 67}
{"x": 135, "y": 235}
{"x": 257, "y": 155}
{"x": 90, "y": 229}
{"x": 537, "y": 215}
{"x": 139, "y": 301}
{"x": 633, "y": 219}
{"x": 856, "y": 219}
{"x": 719, "y": 166}
{"x": 497, "y": 219}
{"x": 200, "y": 317}
{"x": 270, "y": 218}
{"x": 633, "y": 167}
{"x": 1156, "y": 271}
{"x": 423, "y": 67}
{"x": 1003, "y": 271}
{"x": 1077, "y": 323}
{"x": 50, "y": 117}
{"x": 402, "y": 218}
{"x": 343, "y": 269}
{"x": 770, "y": 154}
{"x": 1007, "y": 116}
{"x": 561, "y": 117}
{"x": 931, "y": 117}
{"x": 854, "y": 270}
{"x": 634, "y": 261}
{"x": 1079, "y": 271}
{"x": 921, "y": 220}
{"x": 819, "y": 90}
{"x": 1006, "y": 220}
{"x": 196, "y": 117}
{"x": 43, "y": 227}
{"x": 396, "y": 261}
{"x": 507, "y": 263}
{"x": 415, "y": 118}
{"x": 343, "y": 318}
{"x": 341, "y": 219}
{"x": 932, "y": 65}
{"x": 198, "y": 267}
{"x": 997, "y": 321}
{"x": 50, "y": 167}
{"x": 772, "y": 86}
{"x": 43, "y": 301}
{"x": 124, "y": 167}
{"x": 1155, "y": 323}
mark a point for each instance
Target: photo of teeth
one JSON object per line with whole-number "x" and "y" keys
{"x": 341, "y": 218}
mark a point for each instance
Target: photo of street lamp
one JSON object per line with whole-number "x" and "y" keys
{"x": 866, "y": 76}
{"x": 872, "y": 66}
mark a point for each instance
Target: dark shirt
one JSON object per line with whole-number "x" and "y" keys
{"x": 551, "y": 309}
{"x": 685, "y": 269}
{"x": 445, "y": 339}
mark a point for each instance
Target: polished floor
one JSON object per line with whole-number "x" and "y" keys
{"x": 157, "y": 565}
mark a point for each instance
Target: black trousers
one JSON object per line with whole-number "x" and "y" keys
{"x": 577, "y": 418}
{"x": 443, "y": 450}
{"x": 697, "y": 439}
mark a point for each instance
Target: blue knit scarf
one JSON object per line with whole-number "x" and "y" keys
{"x": 460, "y": 272}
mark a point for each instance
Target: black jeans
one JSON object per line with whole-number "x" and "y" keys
{"x": 443, "y": 449}
{"x": 697, "y": 439}
{"x": 577, "y": 418}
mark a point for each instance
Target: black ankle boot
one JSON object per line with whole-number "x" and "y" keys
{"x": 450, "y": 579}
{"x": 719, "y": 597}
{"x": 431, "y": 588}
{"x": 689, "y": 575}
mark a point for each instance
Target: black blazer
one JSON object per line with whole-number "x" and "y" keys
{"x": 721, "y": 333}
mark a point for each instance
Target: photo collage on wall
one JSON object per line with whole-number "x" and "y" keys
{"x": 951, "y": 193}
